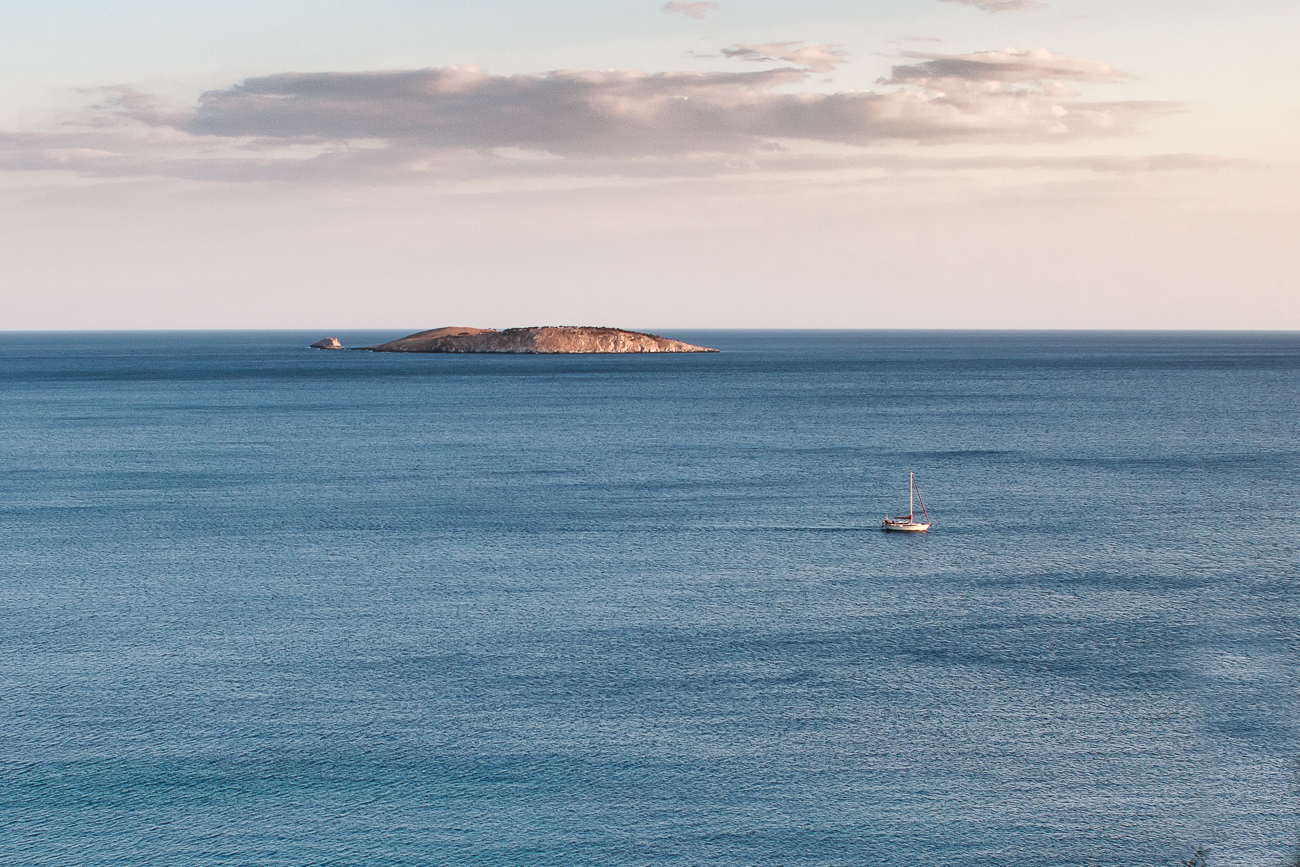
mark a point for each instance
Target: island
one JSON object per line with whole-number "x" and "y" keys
{"x": 328, "y": 343}
{"x": 545, "y": 340}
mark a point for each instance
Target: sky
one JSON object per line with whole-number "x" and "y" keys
{"x": 410, "y": 164}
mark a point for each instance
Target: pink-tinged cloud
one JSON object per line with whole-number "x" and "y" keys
{"x": 996, "y": 68}
{"x": 690, "y": 8}
{"x": 1003, "y": 96}
{"x": 814, "y": 56}
{"x": 1001, "y": 5}
{"x": 381, "y": 124}
{"x": 164, "y": 153}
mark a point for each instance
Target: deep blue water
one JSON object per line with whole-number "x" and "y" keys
{"x": 261, "y": 605}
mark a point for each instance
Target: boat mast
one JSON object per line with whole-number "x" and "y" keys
{"x": 911, "y": 486}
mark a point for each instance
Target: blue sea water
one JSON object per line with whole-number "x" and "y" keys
{"x": 261, "y": 605}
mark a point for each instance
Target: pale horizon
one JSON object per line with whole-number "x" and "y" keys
{"x": 826, "y": 165}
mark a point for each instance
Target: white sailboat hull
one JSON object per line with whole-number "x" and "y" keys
{"x": 904, "y": 526}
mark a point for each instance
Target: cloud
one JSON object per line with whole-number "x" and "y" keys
{"x": 567, "y": 112}
{"x": 691, "y": 8}
{"x": 440, "y": 120}
{"x": 1000, "y": 96}
{"x": 815, "y": 56}
{"x": 108, "y": 154}
{"x": 992, "y": 69}
{"x": 1001, "y": 5}
{"x": 162, "y": 153}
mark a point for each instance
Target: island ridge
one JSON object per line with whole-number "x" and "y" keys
{"x": 544, "y": 340}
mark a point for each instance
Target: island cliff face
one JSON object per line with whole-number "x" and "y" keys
{"x": 550, "y": 340}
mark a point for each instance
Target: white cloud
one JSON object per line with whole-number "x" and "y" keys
{"x": 815, "y": 56}
{"x": 691, "y": 8}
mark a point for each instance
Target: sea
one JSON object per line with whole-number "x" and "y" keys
{"x": 267, "y": 605}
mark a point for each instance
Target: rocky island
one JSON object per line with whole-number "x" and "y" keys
{"x": 547, "y": 340}
{"x": 328, "y": 343}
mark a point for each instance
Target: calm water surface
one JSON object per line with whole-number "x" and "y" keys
{"x": 261, "y": 605}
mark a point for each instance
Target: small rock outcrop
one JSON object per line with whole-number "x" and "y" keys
{"x": 328, "y": 343}
{"x": 548, "y": 340}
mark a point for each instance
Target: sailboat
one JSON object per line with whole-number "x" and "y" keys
{"x": 907, "y": 523}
